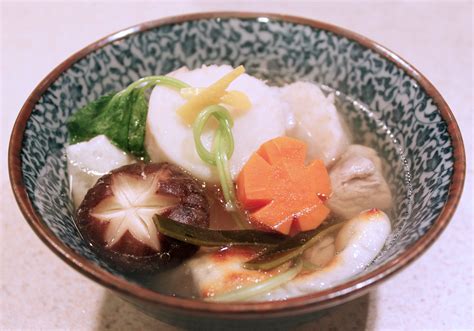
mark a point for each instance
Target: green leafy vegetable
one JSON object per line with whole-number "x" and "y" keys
{"x": 78, "y": 130}
{"x": 119, "y": 116}
{"x": 262, "y": 287}
{"x": 137, "y": 123}
{"x": 290, "y": 248}
{"x": 214, "y": 238}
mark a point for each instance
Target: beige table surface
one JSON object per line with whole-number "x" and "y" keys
{"x": 39, "y": 291}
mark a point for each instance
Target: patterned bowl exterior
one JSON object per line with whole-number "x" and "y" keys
{"x": 390, "y": 106}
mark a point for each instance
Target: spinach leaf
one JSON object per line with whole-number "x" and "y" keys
{"x": 119, "y": 116}
{"x": 79, "y": 125}
{"x": 122, "y": 118}
{"x": 138, "y": 104}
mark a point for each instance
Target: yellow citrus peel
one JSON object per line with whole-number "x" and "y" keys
{"x": 216, "y": 93}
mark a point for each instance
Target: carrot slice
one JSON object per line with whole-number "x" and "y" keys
{"x": 273, "y": 216}
{"x": 320, "y": 178}
{"x": 290, "y": 149}
{"x": 280, "y": 191}
{"x": 312, "y": 219}
{"x": 252, "y": 183}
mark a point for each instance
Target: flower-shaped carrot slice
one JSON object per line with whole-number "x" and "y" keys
{"x": 280, "y": 191}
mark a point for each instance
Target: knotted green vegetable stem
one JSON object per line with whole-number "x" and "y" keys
{"x": 221, "y": 152}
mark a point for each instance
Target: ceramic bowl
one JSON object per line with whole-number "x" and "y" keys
{"x": 387, "y": 102}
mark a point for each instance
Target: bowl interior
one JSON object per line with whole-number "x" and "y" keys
{"x": 386, "y": 108}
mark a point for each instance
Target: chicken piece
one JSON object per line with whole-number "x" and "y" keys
{"x": 88, "y": 161}
{"x": 357, "y": 183}
{"x": 340, "y": 256}
{"x": 315, "y": 121}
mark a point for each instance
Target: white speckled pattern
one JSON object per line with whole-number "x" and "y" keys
{"x": 38, "y": 291}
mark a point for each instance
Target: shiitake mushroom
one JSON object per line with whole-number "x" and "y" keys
{"x": 115, "y": 216}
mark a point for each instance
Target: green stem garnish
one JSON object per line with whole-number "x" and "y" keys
{"x": 222, "y": 163}
{"x": 222, "y": 151}
{"x": 289, "y": 249}
{"x": 226, "y": 143}
{"x": 151, "y": 81}
{"x": 310, "y": 266}
{"x": 215, "y": 238}
{"x": 248, "y": 292}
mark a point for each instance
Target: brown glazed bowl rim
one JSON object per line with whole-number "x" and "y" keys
{"x": 308, "y": 303}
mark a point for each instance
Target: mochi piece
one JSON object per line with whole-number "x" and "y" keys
{"x": 315, "y": 121}
{"x": 358, "y": 243}
{"x": 88, "y": 161}
{"x": 216, "y": 272}
{"x": 168, "y": 138}
{"x": 358, "y": 183}
{"x": 340, "y": 256}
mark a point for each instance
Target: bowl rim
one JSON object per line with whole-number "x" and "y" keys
{"x": 307, "y": 303}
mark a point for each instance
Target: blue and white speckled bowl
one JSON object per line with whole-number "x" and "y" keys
{"x": 392, "y": 107}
